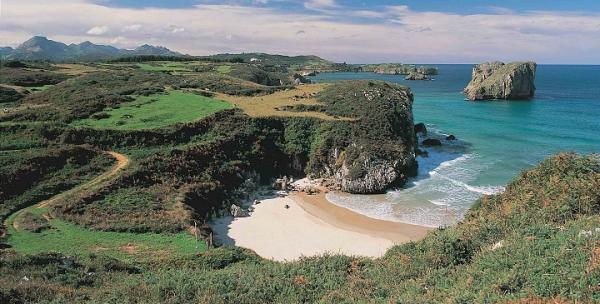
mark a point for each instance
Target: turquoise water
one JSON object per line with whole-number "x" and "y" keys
{"x": 497, "y": 139}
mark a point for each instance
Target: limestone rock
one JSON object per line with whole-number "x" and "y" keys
{"x": 417, "y": 76}
{"x": 496, "y": 80}
{"x": 237, "y": 211}
{"x": 450, "y": 137}
{"x": 371, "y": 174}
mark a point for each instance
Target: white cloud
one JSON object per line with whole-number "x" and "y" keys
{"x": 132, "y": 28}
{"x": 175, "y": 29}
{"x": 118, "y": 40}
{"x": 391, "y": 34}
{"x": 98, "y": 30}
{"x": 320, "y": 4}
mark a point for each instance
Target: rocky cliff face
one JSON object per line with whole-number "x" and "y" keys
{"x": 496, "y": 80}
{"x": 377, "y": 150}
{"x": 371, "y": 173}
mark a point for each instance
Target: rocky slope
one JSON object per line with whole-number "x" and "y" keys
{"x": 375, "y": 152}
{"x": 496, "y": 80}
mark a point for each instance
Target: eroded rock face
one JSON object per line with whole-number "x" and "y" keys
{"x": 496, "y": 80}
{"x": 377, "y": 175}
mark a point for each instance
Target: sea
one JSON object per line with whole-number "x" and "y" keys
{"x": 496, "y": 139}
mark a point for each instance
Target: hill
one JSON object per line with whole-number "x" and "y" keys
{"x": 124, "y": 152}
{"x": 535, "y": 243}
{"x": 41, "y": 48}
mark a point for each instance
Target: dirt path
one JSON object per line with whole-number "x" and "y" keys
{"x": 122, "y": 162}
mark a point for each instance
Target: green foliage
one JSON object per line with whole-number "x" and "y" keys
{"x": 155, "y": 111}
{"x": 256, "y": 74}
{"x": 383, "y": 129}
{"x": 129, "y": 209}
{"x": 10, "y": 95}
{"x": 293, "y": 62}
{"x": 511, "y": 246}
{"x": 224, "y": 69}
{"x": 398, "y": 69}
{"x": 71, "y": 239}
{"x": 163, "y": 67}
{"x": 33, "y": 222}
{"x": 30, "y": 78}
{"x": 28, "y": 177}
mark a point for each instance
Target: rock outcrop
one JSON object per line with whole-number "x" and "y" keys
{"x": 375, "y": 152}
{"x": 496, "y": 80}
{"x": 431, "y": 142}
{"x": 373, "y": 174}
{"x": 421, "y": 128}
{"x": 398, "y": 69}
{"x": 417, "y": 76}
{"x": 237, "y": 211}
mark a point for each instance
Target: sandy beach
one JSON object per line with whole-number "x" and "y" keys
{"x": 310, "y": 226}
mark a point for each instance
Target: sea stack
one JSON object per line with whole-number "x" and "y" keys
{"x": 496, "y": 80}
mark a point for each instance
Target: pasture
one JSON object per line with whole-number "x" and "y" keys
{"x": 155, "y": 111}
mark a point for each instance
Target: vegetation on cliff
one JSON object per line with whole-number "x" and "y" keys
{"x": 398, "y": 69}
{"x": 177, "y": 178}
{"x": 534, "y": 243}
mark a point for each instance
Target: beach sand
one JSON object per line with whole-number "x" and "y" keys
{"x": 311, "y": 226}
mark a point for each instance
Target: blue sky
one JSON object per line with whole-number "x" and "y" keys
{"x": 424, "y": 31}
{"x": 454, "y": 6}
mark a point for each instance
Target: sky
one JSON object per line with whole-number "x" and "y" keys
{"x": 355, "y": 31}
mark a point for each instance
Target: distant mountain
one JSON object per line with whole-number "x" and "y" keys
{"x": 154, "y": 50}
{"x": 41, "y": 48}
{"x": 5, "y": 51}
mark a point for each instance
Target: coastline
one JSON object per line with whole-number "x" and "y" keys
{"x": 287, "y": 228}
{"x": 320, "y": 207}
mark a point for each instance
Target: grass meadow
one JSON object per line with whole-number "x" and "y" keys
{"x": 71, "y": 239}
{"x": 149, "y": 112}
{"x": 163, "y": 67}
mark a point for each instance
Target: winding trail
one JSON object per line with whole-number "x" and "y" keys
{"x": 122, "y": 162}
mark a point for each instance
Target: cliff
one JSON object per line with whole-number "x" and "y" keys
{"x": 375, "y": 151}
{"x": 496, "y": 80}
{"x": 398, "y": 69}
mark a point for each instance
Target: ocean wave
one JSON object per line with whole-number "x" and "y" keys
{"x": 448, "y": 163}
{"x": 487, "y": 190}
{"x": 429, "y": 216}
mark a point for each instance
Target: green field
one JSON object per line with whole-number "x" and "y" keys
{"x": 71, "y": 239}
{"x": 224, "y": 69}
{"x": 163, "y": 67}
{"x": 39, "y": 88}
{"x": 148, "y": 112}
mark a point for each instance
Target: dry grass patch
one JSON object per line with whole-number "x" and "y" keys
{"x": 76, "y": 69}
{"x": 272, "y": 105}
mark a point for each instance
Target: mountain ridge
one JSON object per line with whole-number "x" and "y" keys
{"x": 42, "y": 48}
